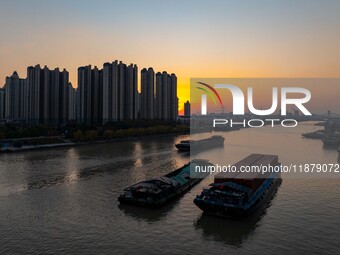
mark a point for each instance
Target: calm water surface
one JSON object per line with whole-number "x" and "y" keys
{"x": 64, "y": 201}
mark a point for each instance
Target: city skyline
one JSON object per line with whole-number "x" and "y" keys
{"x": 104, "y": 95}
{"x": 191, "y": 38}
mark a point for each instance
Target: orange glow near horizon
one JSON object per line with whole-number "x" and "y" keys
{"x": 231, "y": 41}
{"x": 324, "y": 93}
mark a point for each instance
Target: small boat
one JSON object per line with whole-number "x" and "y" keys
{"x": 187, "y": 145}
{"x": 183, "y": 145}
{"x": 235, "y": 195}
{"x": 157, "y": 192}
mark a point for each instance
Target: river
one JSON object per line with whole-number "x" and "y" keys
{"x": 64, "y": 201}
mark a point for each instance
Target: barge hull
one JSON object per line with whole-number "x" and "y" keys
{"x": 234, "y": 212}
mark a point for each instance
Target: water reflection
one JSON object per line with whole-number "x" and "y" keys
{"x": 34, "y": 183}
{"x": 184, "y": 153}
{"x": 72, "y": 165}
{"x": 230, "y": 231}
{"x": 147, "y": 214}
{"x": 37, "y": 175}
{"x": 138, "y": 153}
{"x": 132, "y": 160}
{"x": 110, "y": 168}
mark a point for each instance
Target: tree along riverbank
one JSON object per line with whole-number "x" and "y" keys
{"x": 87, "y": 137}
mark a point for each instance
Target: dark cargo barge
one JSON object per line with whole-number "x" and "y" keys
{"x": 187, "y": 145}
{"x": 159, "y": 191}
{"x": 235, "y": 195}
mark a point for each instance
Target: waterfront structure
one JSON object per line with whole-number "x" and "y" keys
{"x": 187, "y": 108}
{"x": 15, "y": 98}
{"x": 147, "y": 93}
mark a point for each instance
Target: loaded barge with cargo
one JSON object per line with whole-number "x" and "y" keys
{"x": 237, "y": 194}
{"x": 157, "y": 192}
{"x": 187, "y": 145}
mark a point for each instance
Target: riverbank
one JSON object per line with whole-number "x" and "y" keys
{"x": 69, "y": 143}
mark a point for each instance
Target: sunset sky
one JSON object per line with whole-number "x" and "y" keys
{"x": 325, "y": 94}
{"x": 288, "y": 38}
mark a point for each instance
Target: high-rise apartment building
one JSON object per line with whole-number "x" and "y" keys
{"x": 173, "y": 97}
{"x": 15, "y": 98}
{"x": 187, "y": 108}
{"x": 90, "y": 95}
{"x": 35, "y": 96}
{"x": 109, "y": 94}
{"x": 47, "y": 96}
{"x": 72, "y": 97}
{"x": 147, "y": 93}
{"x": 166, "y": 102}
{"x": 105, "y": 95}
{"x": 2, "y": 104}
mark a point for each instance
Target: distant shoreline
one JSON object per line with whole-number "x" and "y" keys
{"x": 24, "y": 148}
